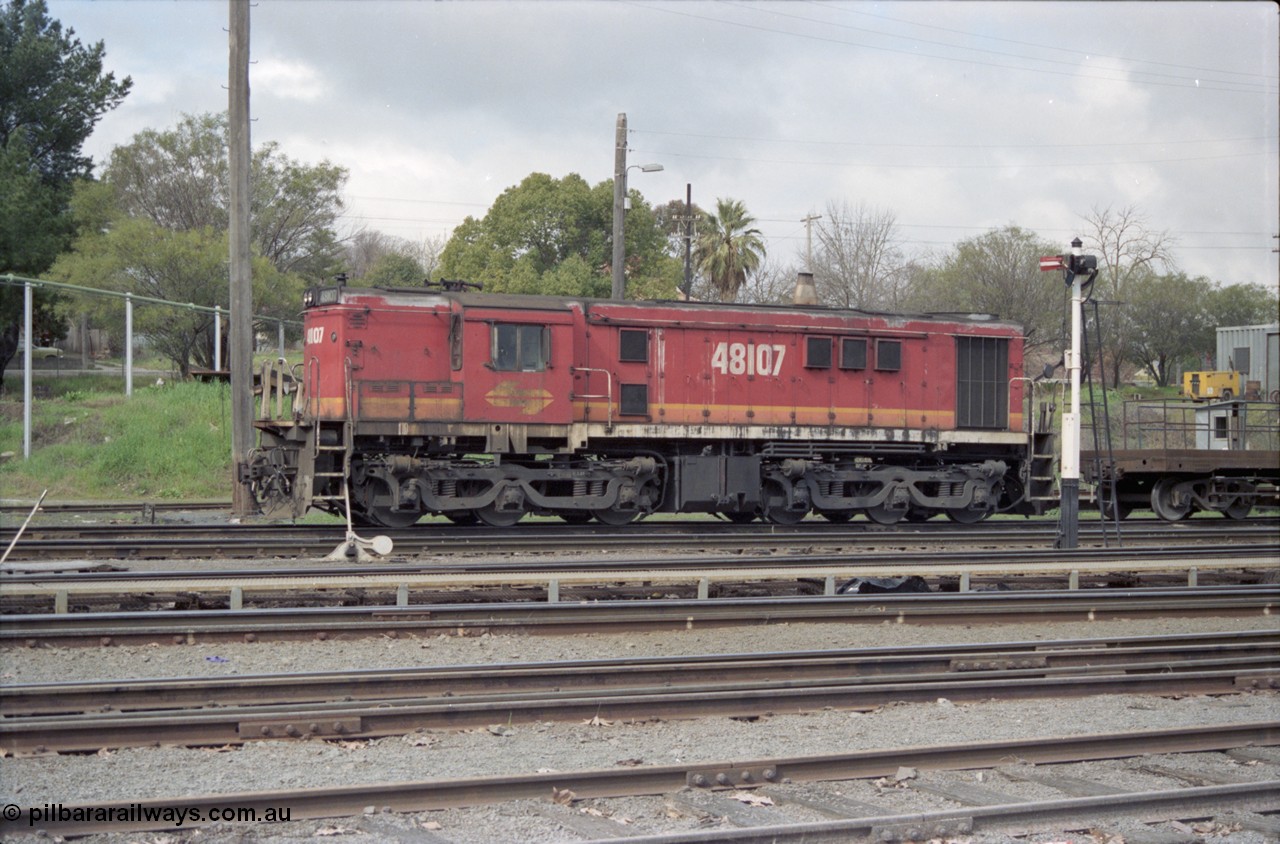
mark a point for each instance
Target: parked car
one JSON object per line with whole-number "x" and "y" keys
{"x": 39, "y": 352}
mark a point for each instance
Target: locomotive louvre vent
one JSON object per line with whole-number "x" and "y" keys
{"x": 982, "y": 382}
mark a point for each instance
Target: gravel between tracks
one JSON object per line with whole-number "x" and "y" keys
{"x": 174, "y": 772}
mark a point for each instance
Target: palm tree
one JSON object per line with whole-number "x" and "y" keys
{"x": 728, "y": 248}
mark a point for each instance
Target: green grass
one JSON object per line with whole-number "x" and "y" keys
{"x": 90, "y": 441}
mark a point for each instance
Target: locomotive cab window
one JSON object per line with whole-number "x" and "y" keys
{"x": 817, "y": 352}
{"x": 853, "y": 353}
{"x": 889, "y": 355}
{"x": 633, "y": 345}
{"x": 520, "y": 348}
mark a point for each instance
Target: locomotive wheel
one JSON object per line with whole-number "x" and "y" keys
{"x": 574, "y": 517}
{"x": 884, "y": 516}
{"x": 615, "y": 518}
{"x": 1167, "y": 503}
{"x": 1241, "y": 507}
{"x": 740, "y": 518}
{"x": 838, "y": 517}
{"x": 783, "y": 516}
{"x": 494, "y": 517}
{"x": 965, "y": 516}
{"x": 388, "y": 518}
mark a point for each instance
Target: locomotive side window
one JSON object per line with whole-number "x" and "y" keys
{"x": 853, "y": 353}
{"x": 455, "y": 342}
{"x": 633, "y": 345}
{"x": 634, "y": 399}
{"x": 817, "y": 352}
{"x": 889, "y": 355}
{"x": 520, "y": 348}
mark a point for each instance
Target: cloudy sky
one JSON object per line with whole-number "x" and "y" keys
{"x": 955, "y": 117}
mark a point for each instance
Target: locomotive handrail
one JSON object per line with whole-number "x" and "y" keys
{"x": 608, "y": 396}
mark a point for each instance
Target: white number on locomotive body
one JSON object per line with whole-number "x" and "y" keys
{"x": 315, "y": 335}
{"x": 748, "y": 358}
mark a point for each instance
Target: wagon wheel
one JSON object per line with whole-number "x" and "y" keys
{"x": 1243, "y": 504}
{"x": 1116, "y": 510}
{"x": 574, "y": 517}
{"x": 882, "y": 515}
{"x": 462, "y": 517}
{"x": 838, "y": 517}
{"x": 1169, "y": 503}
{"x": 739, "y": 518}
{"x": 493, "y": 517}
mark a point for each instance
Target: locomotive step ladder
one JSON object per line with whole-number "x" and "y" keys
{"x": 345, "y": 448}
{"x": 1042, "y": 479}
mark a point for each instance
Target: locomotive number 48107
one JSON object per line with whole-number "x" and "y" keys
{"x": 747, "y": 359}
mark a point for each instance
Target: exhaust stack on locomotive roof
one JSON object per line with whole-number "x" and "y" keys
{"x": 806, "y": 294}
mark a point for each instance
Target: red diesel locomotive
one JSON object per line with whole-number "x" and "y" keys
{"x": 487, "y": 407}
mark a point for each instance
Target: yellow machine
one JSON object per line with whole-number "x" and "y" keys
{"x": 1220, "y": 385}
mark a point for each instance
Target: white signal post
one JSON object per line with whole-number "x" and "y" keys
{"x": 1079, "y": 271}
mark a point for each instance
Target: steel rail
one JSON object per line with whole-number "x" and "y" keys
{"x": 144, "y": 814}
{"x": 548, "y": 582}
{"x": 239, "y": 541}
{"x": 352, "y": 720}
{"x": 995, "y": 561}
{"x": 658, "y": 529}
{"x": 249, "y": 625}
{"x": 1027, "y": 817}
{"x": 1244, "y": 651}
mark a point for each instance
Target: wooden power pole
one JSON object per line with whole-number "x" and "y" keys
{"x": 241, "y": 331}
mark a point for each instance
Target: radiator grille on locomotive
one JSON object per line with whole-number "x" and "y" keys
{"x": 982, "y": 382}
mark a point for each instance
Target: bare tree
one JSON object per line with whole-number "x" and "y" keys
{"x": 363, "y": 250}
{"x": 1128, "y": 249}
{"x": 770, "y": 284}
{"x": 427, "y": 253}
{"x": 858, "y": 261}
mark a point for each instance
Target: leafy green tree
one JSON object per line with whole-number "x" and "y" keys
{"x": 1166, "y": 320}
{"x": 998, "y": 273}
{"x": 180, "y": 180}
{"x": 394, "y": 270}
{"x": 157, "y": 226}
{"x": 729, "y": 248}
{"x": 552, "y": 236}
{"x": 1240, "y": 304}
{"x": 137, "y": 256}
{"x": 53, "y": 91}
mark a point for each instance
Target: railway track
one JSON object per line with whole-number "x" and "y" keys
{"x": 242, "y": 541}
{"x": 356, "y": 622}
{"x": 608, "y": 577}
{"x": 709, "y": 787}
{"x": 370, "y": 704}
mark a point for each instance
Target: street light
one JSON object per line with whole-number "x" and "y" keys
{"x": 621, "y": 203}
